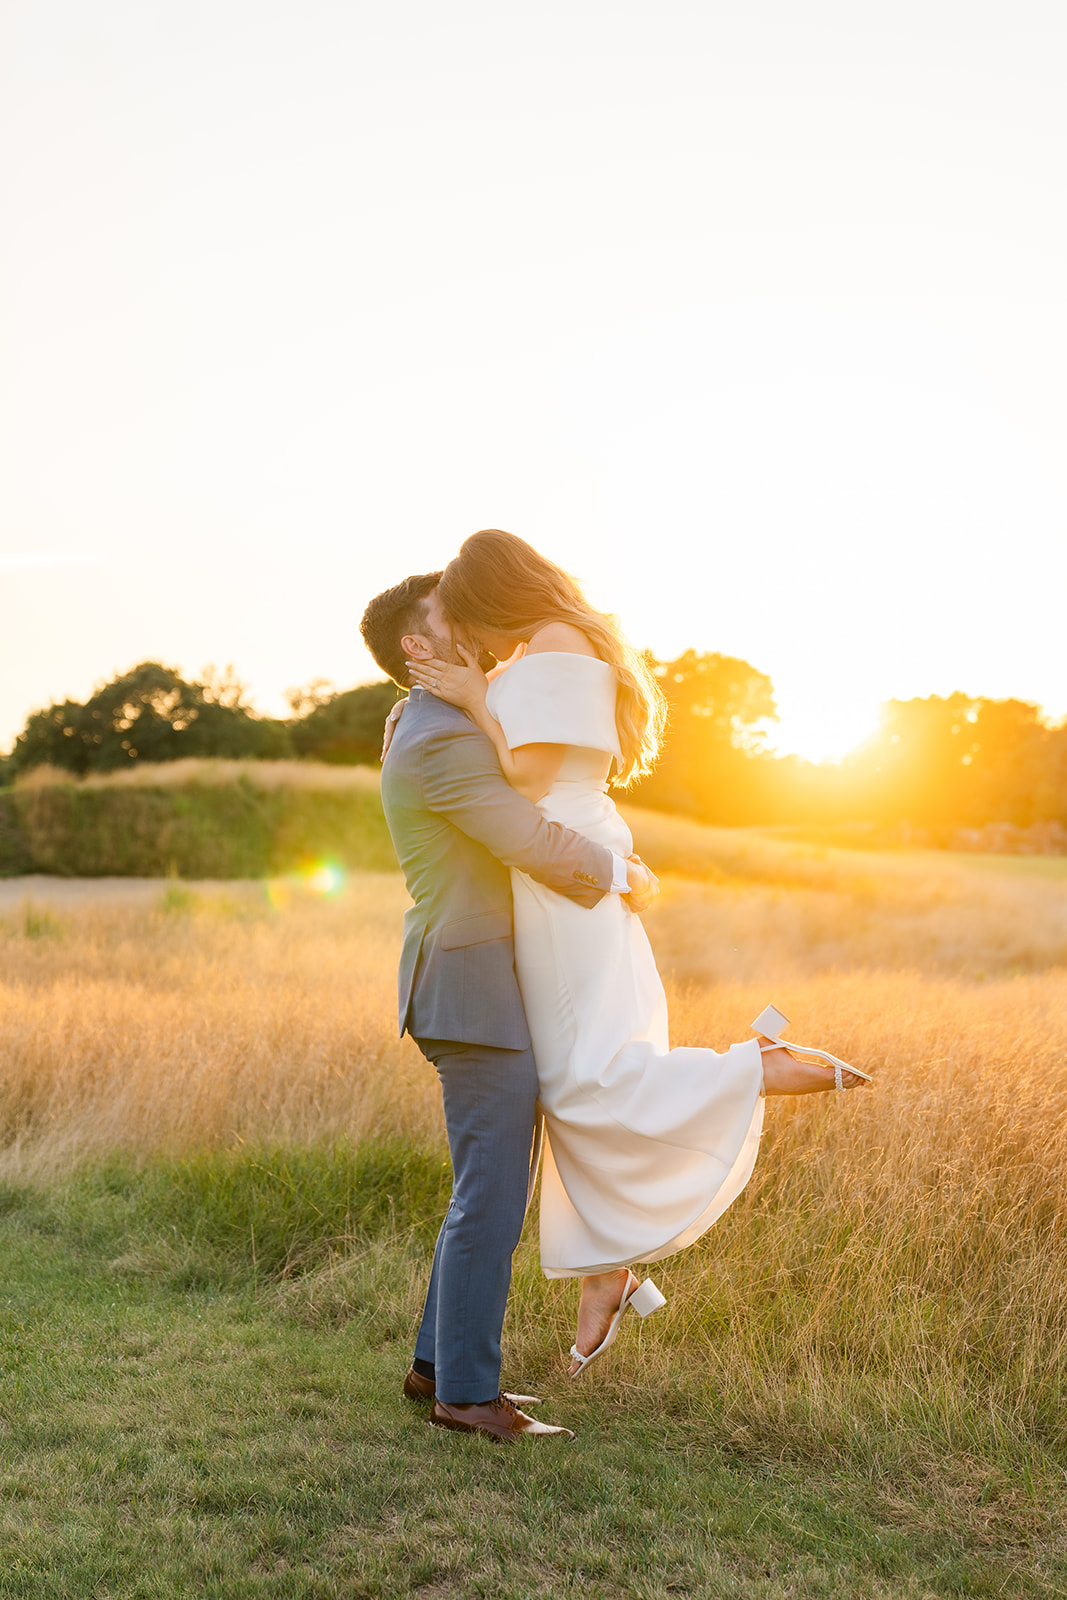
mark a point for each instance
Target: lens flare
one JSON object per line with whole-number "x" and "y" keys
{"x": 325, "y": 878}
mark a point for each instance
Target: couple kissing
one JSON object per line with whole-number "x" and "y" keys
{"x": 526, "y": 976}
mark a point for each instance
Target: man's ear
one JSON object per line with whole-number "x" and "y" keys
{"x": 415, "y": 647}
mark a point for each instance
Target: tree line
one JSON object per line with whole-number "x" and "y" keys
{"x": 151, "y": 713}
{"x": 939, "y": 769}
{"x": 937, "y": 765}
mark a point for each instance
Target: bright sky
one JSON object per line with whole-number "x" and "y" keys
{"x": 751, "y": 314}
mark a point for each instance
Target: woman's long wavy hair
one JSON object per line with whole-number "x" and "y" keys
{"x": 500, "y": 583}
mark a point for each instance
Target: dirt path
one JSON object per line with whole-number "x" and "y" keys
{"x": 43, "y": 890}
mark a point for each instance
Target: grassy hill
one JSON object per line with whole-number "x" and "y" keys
{"x": 257, "y": 819}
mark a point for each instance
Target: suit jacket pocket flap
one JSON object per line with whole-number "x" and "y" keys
{"x": 476, "y": 930}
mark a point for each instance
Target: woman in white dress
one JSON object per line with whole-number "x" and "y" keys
{"x": 646, "y": 1146}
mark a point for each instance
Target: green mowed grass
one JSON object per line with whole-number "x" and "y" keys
{"x": 178, "y": 1420}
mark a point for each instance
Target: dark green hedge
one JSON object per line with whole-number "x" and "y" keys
{"x": 236, "y": 830}
{"x": 14, "y": 852}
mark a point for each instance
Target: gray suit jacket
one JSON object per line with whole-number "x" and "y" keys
{"x": 457, "y": 827}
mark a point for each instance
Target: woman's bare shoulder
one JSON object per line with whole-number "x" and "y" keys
{"x": 561, "y": 636}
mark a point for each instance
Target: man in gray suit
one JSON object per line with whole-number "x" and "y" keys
{"x": 458, "y": 827}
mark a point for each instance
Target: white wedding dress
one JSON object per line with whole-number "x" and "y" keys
{"x": 646, "y": 1146}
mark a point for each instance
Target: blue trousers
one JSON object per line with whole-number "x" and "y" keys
{"x": 489, "y": 1098}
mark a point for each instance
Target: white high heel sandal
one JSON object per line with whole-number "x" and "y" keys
{"x": 643, "y": 1297}
{"x": 770, "y": 1023}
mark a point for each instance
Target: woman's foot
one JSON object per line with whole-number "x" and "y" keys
{"x": 601, "y": 1296}
{"x": 785, "y": 1074}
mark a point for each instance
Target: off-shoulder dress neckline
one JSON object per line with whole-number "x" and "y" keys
{"x": 566, "y": 655}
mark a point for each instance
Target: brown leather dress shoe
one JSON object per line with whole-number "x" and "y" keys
{"x": 416, "y": 1387}
{"x": 499, "y": 1420}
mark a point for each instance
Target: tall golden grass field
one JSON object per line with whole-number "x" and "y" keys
{"x": 899, "y": 1247}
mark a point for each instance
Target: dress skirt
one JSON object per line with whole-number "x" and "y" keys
{"x": 646, "y": 1146}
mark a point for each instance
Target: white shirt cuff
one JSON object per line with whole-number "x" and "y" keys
{"x": 620, "y": 883}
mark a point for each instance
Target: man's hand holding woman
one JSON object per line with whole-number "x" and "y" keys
{"x": 644, "y": 885}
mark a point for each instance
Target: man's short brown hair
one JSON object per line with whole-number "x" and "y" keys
{"x": 392, "y": 614}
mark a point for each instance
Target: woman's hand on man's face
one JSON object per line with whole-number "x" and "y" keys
{"x": 462, "y": 686}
